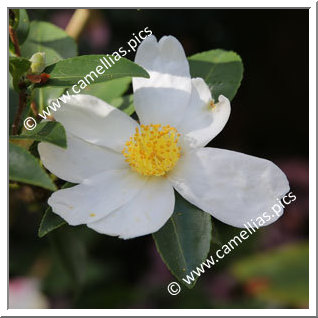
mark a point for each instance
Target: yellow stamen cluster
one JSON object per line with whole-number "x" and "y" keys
{"x": 212, "y": 104}
{"x": 153, "y": 150}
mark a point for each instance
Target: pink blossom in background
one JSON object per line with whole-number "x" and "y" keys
{"x": 62, "y": 17}
{"x": 25, "y": 293}
{"x": 98, "y": 34}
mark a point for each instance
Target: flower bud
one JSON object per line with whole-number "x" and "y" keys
{"x": 37, "y": 62}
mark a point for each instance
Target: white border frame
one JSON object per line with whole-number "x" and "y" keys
{"x": 312, "y": 166}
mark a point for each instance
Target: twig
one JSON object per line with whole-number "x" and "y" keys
{"x": 22, "y": 104}
{"x": 77, "y": 23}
{"x": 22, "y": 87}
{"x": 14, "y": 40}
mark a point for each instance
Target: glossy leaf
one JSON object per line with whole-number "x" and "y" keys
{"x": 109, "y": 90}
{"x": 50, "y": 220}
{"x": 223, "y": 232}
{"x": 221, "y": 70}
{"x": 278, "y": 276}
{"x": 23, "y": 167}
{"x": 23, "y": 26}
{"x": 18, "y": 66}
{"x": 69, "y": 72}
{"x": 184, "y": 241}
{"x": 43, "y": 96}
{"x": 48, "y": 38}
{"x": 47, "y": 131}
{"x": 124, "y": 103}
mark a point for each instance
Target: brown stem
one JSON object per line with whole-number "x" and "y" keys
{"x": 22, "y": 104}
{"x": 14, "y": 40}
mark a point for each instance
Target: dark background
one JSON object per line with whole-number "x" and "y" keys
{"x": 269, "y": 119}
{"x": 273, "y": 45}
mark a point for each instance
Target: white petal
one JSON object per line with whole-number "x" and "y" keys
{"x": 95, "y": 121}
{"x": 146, "y": 213}
{"x": 163, "y": 97}
{"x": 202, "y": 122}
{"x": 80, "y": 160}
{"x": 231, "y": 186}
{"x": 97, "y": 196}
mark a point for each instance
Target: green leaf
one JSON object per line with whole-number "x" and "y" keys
{"x": 48, "y": 131}
{"x": 18, "y": 66}
{"x": 51, "y": 221}
{"x": 109, "y": 90}
{"x": 69, "y": 72}
{"x": 23, "y": 26}
{"x": 23, "y": 167}
{"x": 222, "y": 232}
{"x": 11, "y": 48}
{"x": 184, "y": 241}
{"x": 124, "y": 103}
{"x": 48, "y": 38}
{"x": 280, "y": 275}
{"x": 43, "y": 96}
{"x": 221, "y": 70}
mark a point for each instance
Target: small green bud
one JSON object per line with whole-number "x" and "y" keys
{"x": 37, "y": 62}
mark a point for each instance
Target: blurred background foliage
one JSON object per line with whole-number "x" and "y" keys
{"x": 79, "y": 268}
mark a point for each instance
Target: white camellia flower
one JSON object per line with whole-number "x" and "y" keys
{"x": 127, "y": 172}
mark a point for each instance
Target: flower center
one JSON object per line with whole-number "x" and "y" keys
{"x": 154, "y": 150}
